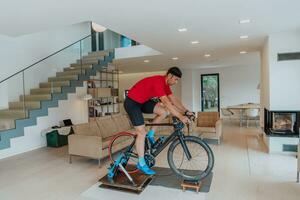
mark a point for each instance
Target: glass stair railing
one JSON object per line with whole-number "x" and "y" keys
{"x": 29, "y": 93}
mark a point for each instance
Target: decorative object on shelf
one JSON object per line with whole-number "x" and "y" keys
{"x": 126, "y": 93}
{"x": 87, "y": 97}
{"x": 91, "y": 84}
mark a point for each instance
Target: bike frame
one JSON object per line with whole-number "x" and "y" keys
{"x": 155, "y": 152}
{"x": 176, "y": 134}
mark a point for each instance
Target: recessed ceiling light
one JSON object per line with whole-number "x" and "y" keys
{"x": 207, "y": 55}
{"x": 245, "y": 21}
{"x": 243, "y": 52}
{"x": 195, "y": 42}
{"x": 175, "y": 58}
{"x": 182, "y": 29}
{"x": 244, "y": 37}
{"x": 146, "y": 61}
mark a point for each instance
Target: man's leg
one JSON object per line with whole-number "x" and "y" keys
{"x": 140, "y": 147}
{"x": 135, "y": 114}
{"x": 140, "y": 139}
{"x": 161, "y": 114}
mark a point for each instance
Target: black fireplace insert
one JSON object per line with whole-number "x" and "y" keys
{"x": 281, "y": 123}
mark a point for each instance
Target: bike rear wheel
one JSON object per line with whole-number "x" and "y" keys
{"x": 198, "y": 167}
{"x": 124, "y": 142}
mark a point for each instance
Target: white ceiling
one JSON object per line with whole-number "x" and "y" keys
{"x": 214, "y": 23}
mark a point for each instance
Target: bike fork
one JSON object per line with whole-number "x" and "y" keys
{"x": 185, "y": 149}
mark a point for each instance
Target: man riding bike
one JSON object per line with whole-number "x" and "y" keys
{"x": 139, "y": 101}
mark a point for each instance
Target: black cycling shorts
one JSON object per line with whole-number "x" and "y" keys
{"x": 135, "y": 110}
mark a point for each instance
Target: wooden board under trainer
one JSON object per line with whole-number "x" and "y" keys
{"x": 191, "y": 185}
{"x": 121, "y": 182}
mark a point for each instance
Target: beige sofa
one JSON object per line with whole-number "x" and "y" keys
{"x": 92, "y": 139}
{"x": 208, "y": 126}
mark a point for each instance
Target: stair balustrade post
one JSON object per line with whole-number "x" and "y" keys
{"x": 24, "y": 104}
{"x": 81, "y": 55}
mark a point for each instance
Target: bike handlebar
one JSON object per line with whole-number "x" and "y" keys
{"x": 179, "y": 124}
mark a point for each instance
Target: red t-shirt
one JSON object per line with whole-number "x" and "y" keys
{"x": 150, "y": 87}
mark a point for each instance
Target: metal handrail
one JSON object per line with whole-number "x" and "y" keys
{"x": 44, "y": 58}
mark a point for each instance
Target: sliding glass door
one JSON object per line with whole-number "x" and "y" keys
{"x": 210, "y": 93}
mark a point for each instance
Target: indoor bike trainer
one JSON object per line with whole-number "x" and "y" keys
{"x": 184, "y": 152}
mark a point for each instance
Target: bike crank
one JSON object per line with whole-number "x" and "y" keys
{"x": 150, "y": 160}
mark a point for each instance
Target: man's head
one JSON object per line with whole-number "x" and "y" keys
{"x": 173, "y": 75}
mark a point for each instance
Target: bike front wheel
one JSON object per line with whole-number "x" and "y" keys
{"x": 199, "y": 166}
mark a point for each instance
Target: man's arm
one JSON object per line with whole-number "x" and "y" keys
{"x": 168, "y": 104}
{"x": 177, "y": 103}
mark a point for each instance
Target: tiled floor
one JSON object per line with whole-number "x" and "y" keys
{"x": 243, "y": 171}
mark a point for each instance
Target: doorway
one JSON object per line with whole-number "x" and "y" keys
{"x": 210, "y": 93}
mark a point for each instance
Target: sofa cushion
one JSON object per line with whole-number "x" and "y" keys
{"x": 88, "y": 129}
{"x": 122, "y": 122}
{"x": 107, "y": 126}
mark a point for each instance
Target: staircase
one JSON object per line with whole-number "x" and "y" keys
{"x": 21, "y": 113}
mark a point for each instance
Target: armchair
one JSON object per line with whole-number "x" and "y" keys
{"x": 209, "y": 126}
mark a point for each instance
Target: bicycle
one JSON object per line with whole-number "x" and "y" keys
{"x": 180, "y": 154}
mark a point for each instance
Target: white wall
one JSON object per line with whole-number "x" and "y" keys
{"x": 237, "y": 85}
{"x": 66, "y": 109}
{"x": 187, "y": 91}
{"x": 135, "y": 51}
{"x": 265, "y": 77}
{"x": 111, "y": 39}
{"x": 284, "y": 75}
{"x": 18, "y": 53}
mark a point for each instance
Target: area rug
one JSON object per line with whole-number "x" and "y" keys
{"x": 164, "y": 186}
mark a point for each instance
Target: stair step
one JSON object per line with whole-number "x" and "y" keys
{"x": 72, "y": 72}
{"x": 45, "y": 90}
{"x": 36, "y": 97}
{"x": 13, "y": 114}
{"x": 54, "y": 84}
{"x": 72, "y": 68}
{"x": 78, "y": 66}
{"x": 28, "y": 105}
{"x": 99, "y": 53}
{"x": 89, "y": 61}
{"x": 93, "y": 57}
{"x": 6, "y": 124}
{"x": 63, "y": 78}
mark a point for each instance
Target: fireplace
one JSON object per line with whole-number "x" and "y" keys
{"x": 281, "y": 123}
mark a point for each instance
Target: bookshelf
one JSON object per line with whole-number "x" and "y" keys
{"x": 104, "y": 88}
